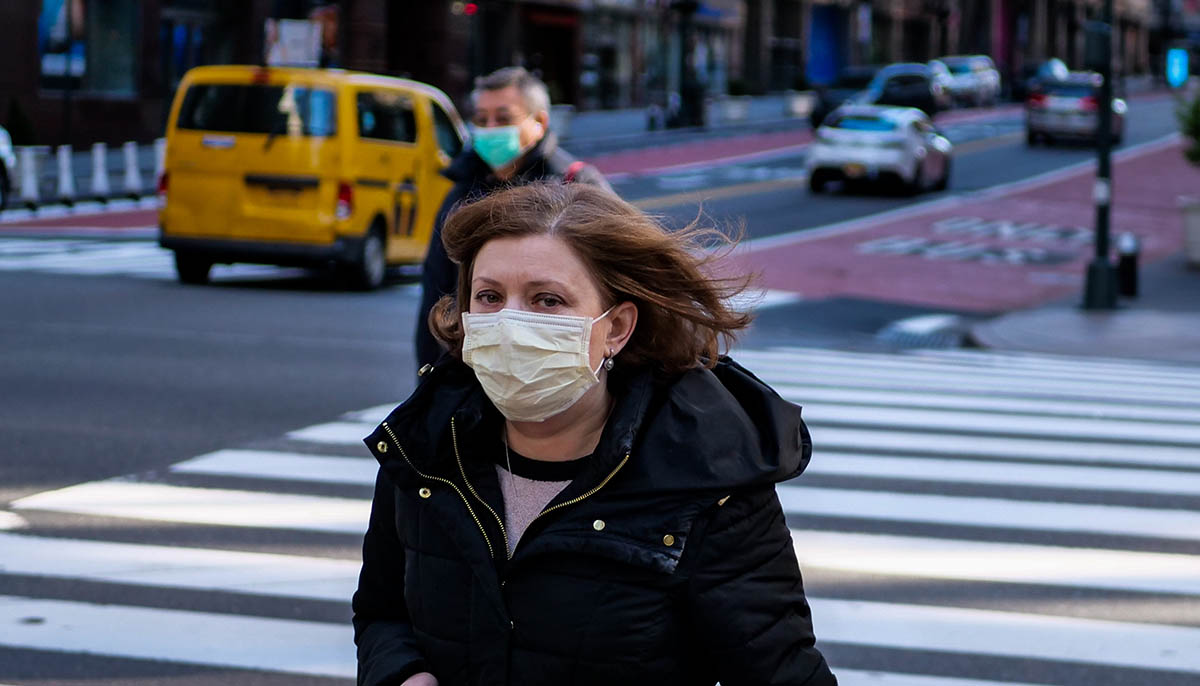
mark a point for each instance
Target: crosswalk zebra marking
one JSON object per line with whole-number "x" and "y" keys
{"x": 963, "y": 560}
{"x": 290, "y": 646}
{"x": 266, "y": 464}
{"x": 208, "y": 506}
{"x": 990, "y": 512}
{"x": 290, "y": 576}
{"x": 335, "y": 433}
{"x": 857, "y": 677}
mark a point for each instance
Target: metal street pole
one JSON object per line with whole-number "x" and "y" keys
{"x": 1100, "y": 292}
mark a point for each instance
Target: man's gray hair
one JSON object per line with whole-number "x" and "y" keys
{"x": 533, "y": 91}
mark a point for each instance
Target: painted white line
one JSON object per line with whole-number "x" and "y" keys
{"x": 805, "y": 393}
{"x": 857, "y": 677}
{"x": 1007, "y": 634}
{"x": 1015, "y": 385}
{"x": 990, "y": 512}
{"x": 929, "y": 207}
{"x": 925, "y": 324}
{"x": 1187, "y": 379}
{"x": 761, "y": 300}
{"x": 1018, "y": 360}
{"x": 11, "y": 520}
{"x": 932, "y": 444}
{"x": 334, "y": 433}
{"x": 1111, "y": 479}
{"x": 290, "y": 576}
{"x": 208, "y": 506}
{"x": 198, "y": 638}
{"x": 934, "y": 558}
{"x": 372, "y": 415}
{"x": 264, "y": 464}
{"x": 761, "y": 156}
{"x": 965, "y": 421}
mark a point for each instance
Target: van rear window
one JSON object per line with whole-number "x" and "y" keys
{"x": 282, "y": 110}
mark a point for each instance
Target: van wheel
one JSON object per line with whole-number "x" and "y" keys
{"x": 370, "y": 267}
{"x": 192, "y": 269}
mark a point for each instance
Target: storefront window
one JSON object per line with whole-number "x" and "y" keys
{"x": 112, "y": 38}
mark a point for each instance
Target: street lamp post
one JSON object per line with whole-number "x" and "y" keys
{"x": 1100, "y": 292}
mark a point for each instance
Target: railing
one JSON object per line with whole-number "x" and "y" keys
{"x": 47, "y": 176}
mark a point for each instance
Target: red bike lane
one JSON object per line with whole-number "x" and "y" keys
{"x": 1006, "y": 248}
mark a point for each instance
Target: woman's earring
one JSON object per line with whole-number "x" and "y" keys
{"x": 608, "y": 361}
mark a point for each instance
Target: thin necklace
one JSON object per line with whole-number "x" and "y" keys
{"x": 512, "y": 481}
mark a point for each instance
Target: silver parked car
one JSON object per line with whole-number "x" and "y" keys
{"x": 1070, "y": 108}
{"x": 974, "y": 79}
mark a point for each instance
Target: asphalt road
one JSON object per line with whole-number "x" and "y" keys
{"x": 110, "y": 376}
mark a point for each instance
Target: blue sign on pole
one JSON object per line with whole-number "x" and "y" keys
{"x": 1177, "y": 67}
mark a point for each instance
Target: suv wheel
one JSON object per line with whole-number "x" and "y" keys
{"x": 369, "y": 269}
{"x": 192, "y": 269}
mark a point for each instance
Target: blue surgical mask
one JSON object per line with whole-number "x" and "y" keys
{"x": 498, "y": 145}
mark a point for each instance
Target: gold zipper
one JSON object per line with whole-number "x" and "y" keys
{"x": 461, "y": 470}
{"x": 449, "y": 483}
{"x": 585, "y": 496}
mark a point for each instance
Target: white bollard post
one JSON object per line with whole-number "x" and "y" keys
{"x": 66, "y": 175}
{"x": 100, "y": 189}
{"x": 160, "y": 158}
{"x": 133, "y": 177}
{"x": 29, "y": 176}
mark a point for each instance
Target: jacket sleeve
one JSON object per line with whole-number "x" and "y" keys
{"x": 387, "y": 646}
{"x": 746, "y": 598}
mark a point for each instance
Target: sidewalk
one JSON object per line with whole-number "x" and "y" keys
{"x": 1162, "y": 323}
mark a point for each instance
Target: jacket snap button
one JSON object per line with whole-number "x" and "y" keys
{"x": 425, "y": 370}
{"x": 381, "y": 447}
{"x": 425, "y": 492}
{"x": 668, "y": 540}
{"x": 598, "y": 525}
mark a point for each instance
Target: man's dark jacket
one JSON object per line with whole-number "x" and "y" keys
{"x": 666, "y": 562}
{"x": 472, "y": 178}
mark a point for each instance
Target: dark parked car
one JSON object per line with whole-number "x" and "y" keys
{"x": 1070, "y": 108}
{"x": 1032, "y": 75}
{"x": 907, "y": 84}
{"x": 850, "y": 82}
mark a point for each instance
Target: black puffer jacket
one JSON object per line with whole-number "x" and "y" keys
{"x": 666, "y": 562}
{"x": 473, "y": 178}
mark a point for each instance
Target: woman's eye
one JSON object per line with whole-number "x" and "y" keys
{"x": 549, "y": 301}
{"x": 487, "y": 298}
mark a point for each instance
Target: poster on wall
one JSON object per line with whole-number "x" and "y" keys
{"x": 292, "y": 43}
{"x": 62, "y": 28}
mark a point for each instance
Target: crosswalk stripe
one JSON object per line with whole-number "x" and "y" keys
{"x": 979, "y": 363}
{"x": 266, "y": 464}
{"x": 936, "y": 444}
{"x": 208, "y": 506}
{"x": 335, "y": 433}
{"x": 805, "y": 394}
{"x": 1039, "y": 361}
{"x": 1007, "y": 634}
{"x": 200, "y": 638}
{"x": 858, "y": 677}
{"x": 229, "y": 571}
{"x": 967, "y": 421}
{"x": 962, "y": 560}
{"x": 1008, "y": 473}
{"x": 990, "y": 512}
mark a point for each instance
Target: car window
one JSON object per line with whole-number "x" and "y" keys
{"x": 447, "y": 136}
{"x": 907, "y": 80}
{"x": 235, "y": 108}
{"x": 386, "y": 115}
{"x": 862, "y": 122}
{"x": 1069, "y": 90}
{"x": 855, "y": 80}
{"x": 959, "y": 67}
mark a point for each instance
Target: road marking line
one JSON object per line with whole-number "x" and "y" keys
{"x": 1016, "y": 563}
{"x": 990, "y": 512}
{"x": 760, "y": 156}
{"x": 336, "y": 433}
{"x": 660, "y": 202}
{"x": 290, "y": 576}
{"x": 1001, "y": 473}
{"x": 932, "y": 444}
{"x": 1047, "y": 361}
{"x": 857, "y": 677}
{"x": 1007, "y": 634}
{"x": 265, "y": 464}
{"x": 199, "y": 638}
{"x": 931, "y": 206}
{"x": 11, "y": 520}
{"x": 801, "y": 393}
{"x": 206, "y": 506}
{"x": 989, "y": 423}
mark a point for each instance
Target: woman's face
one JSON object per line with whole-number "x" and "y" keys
{"x": 538, "y": 274}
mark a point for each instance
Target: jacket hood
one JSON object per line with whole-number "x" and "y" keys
{"x": 718, "y": 429}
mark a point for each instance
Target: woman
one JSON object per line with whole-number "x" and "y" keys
{"x": 581, "y": 491}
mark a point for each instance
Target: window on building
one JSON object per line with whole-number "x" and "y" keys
{"x": 387, "y": 116}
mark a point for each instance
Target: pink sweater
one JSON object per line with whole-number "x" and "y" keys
{"x": 524, "y": 500}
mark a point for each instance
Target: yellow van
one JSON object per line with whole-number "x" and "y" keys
{"x": 304, "y": 167}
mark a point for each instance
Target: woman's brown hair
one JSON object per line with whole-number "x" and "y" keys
{"x": 683, "y": 309}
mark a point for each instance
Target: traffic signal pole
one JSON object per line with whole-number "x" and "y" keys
{"x": 1100, "y": 292}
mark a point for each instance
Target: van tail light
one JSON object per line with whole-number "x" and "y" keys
{"x": 163, "y": 180}
{"x": 1037, "y": 100}
{"x": 1089, "y": 103}
{"x": 345, "y": 201}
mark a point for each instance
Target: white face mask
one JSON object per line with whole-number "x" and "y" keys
{"x": 531, "y": 365}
